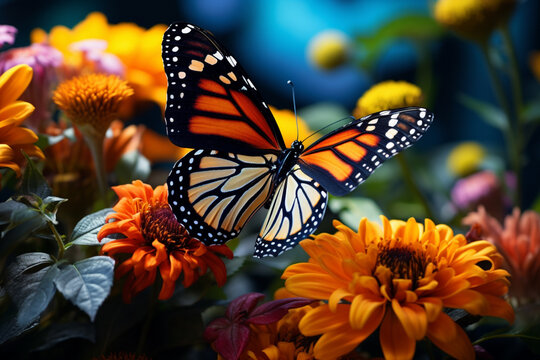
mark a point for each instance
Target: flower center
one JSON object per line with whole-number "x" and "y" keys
{"x": 158, "y": 223}
{"x": 404, "y": 262}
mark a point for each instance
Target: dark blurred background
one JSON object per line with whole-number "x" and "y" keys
{"x": 270, "y": 39}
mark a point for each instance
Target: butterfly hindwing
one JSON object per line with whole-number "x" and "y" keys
{"x": 213, "y": 194}
{"x": 343, "y": 159}
{"x": 295, "y": 212}
{"x": 211, "y": 102}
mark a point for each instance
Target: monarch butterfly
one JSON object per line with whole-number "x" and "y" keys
{"x": 240, "y": 162}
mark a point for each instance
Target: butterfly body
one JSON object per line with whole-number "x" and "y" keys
{"x": 240, "y": 163}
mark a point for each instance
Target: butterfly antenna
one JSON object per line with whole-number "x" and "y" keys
{"x": 329, "y": 125}
{"x": 294, "y": 107}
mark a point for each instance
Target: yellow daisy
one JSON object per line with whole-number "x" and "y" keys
{"x": 13, "y": 137}
{"x": 397, "y": 279}
{"x": 388, "y": 95}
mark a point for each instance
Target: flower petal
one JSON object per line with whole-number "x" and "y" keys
{"x": 13, "y": 82}
{"x": 412, "y": 317}
{"x": 366, "y": 309}
{"x": 450, "y": 338}
{"x": 395, "y": 342}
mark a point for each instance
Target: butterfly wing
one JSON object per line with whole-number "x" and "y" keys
{"x": 211, "y": 102}
{"x": 295, "y": 212}
{"x": 343, "y": 159}
{"x": 213, "y": 194}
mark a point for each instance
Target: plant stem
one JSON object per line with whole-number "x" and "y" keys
{"x": 511, "y": 141}
{"x": 407, "y": 174}
{"x": 58, "y": 239}
{"x": 509, "y": 336}
{"x": 149, "y": 316}
{"x": 518, "y": 103}
{"x": 95, "y": 143}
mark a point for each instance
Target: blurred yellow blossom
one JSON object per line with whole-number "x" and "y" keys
{"x": 535, "y": 64}
{"x": 388, "y": 95}
{"x": 328, "y": 49}
{"x": 287, "y": 124}
{"x": 13, "y": 137}
{"x": 473, "y": 19}
{"x": 465, "y": 158}
{"x": 138, "y": 49}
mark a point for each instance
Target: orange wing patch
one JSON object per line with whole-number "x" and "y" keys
{"x": 215, "y": 105}
{"x": 255, "y": 116}
{"x": 352, "y": 150}
{"x": 232, "y": 129}
{"x": 336, "y": 139}
{"x": 330, "y": 162}
{"x": 212, "y": 86}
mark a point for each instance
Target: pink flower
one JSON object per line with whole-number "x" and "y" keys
{"x": 7, "y": 35}
{"x": 93, "y": 52}
{"x": 519, "y": 243}
{"x": 482, "y": 188}
{"x": 45, "y": 61}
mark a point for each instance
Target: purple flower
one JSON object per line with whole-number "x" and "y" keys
{"x": 7, "y": 35}
{"x": 45, "y": 61}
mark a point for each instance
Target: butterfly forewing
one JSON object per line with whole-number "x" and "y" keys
{"x": 213, "y": 194}
{"x": 343, "y": 159}
{"x": 211, "y": 102}
{"x": 296, "y": 210}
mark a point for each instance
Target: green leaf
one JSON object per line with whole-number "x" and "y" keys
{"x": 59, "y": 332}
{"x": 352, "y": 209}
{"x": 531, "y": 112}
{"x": 87, "y": 283}
{"x": 490, "y": 114}
{"x": 132, "y": 166}
{"x": 50, "y": 207}
{"x": 31, "y": 290}
{"x": 8, "y": 324}
{"x": 33, "y": 181}
{"x": 20, "y": 223}
{"x": 414, "y": 27}
{"x": 86, "y": 230}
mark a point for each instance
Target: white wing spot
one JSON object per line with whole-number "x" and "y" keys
{"x": 391, "y": 133}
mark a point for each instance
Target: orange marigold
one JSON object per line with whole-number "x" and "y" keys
{"x": 396, "y": 279}
{"x": 157, "y": 242}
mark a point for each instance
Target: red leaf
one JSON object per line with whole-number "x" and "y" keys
{"x": 239, "y": 308}
{"x": 274, "y": 310}
{"x": 232, "y": 341}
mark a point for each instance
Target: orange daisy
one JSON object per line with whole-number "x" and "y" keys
{"x": 397, "y": 279}
{"x": 157, "y": 242}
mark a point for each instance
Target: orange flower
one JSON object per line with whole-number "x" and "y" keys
{"x": 519, "y": 243}
{"x": 157, "y": 242}
{"x": 397, "y": 279}
{"x": 13, "y": 138}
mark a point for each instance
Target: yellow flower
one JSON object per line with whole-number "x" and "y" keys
{"x": 473, "y": 19}
{"x": 465, "y": 158}
{"x": 287, "y": 124}
{"x": 535, "y": 64}
{"x": 328, "y": 49}
{"x": 388, "y": 95}
{"x": 397, "y": 279}
{"x": 13, "y": 112}
{"x": 92, "y": 101}
{"x": 137, "y": 48}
